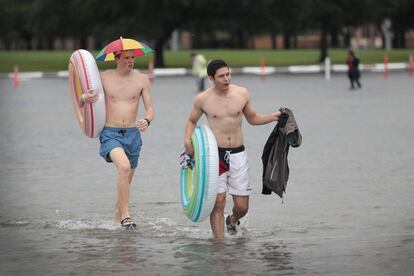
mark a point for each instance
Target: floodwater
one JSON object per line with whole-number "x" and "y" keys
{"x": 348, "y": 209}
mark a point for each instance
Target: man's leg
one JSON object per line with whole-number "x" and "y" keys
{"x": 197, "y": 80}
{"x": 217, "y": 216}
{"x": 240, "y": 208}
{"x": 358, "y": 83}
{"x": 351, "y": 80}
{"x": 125, "y": 174}
{"x": 201, "y": 84}
{"x": 131, "y": 175}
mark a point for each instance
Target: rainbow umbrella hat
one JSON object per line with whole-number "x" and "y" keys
{"x": 123, "y": 44}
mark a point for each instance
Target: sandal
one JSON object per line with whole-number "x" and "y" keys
{"x": 128, "y": 223}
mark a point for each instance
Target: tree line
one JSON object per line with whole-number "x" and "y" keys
{"x": 25, "y": 21}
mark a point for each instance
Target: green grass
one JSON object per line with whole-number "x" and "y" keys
{"x": 50, "y": 61}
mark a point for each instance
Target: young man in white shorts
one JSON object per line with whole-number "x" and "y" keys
{"x": 224, "y": 105}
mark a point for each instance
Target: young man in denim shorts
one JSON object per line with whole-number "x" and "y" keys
{"x": 224, "y": 105}
{"x": 121, "y": 137}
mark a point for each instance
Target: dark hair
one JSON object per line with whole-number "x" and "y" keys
{"x": 214, "y": 65}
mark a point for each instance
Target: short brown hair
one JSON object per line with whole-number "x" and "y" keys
{"x": 214, "y": 65}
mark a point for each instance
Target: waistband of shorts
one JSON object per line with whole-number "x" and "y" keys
{"x": 232, "y": 150}
{"x": 121, "y": 129}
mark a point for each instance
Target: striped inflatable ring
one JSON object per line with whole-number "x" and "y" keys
{"x": 199, "y": 185}
{"x": 83, "y": 76}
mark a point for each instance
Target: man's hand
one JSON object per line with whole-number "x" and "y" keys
{"x": 143, "y": 124}
{"x": 89, "y": 97}
{"x": 188, "y": 147}
{"x": 276, "y": 115}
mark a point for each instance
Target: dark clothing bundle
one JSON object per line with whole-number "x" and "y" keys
{"x": 275, "y": 164}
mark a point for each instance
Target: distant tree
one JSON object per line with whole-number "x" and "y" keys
{"x": 212, "y": 23}
{"x": 15, "y": 23}
{"x": 356, "y": 13}
{"x": 289, "y": 17}
{"x": 50, "y": 20}
{"x": 326, "y": 14}
{"x": 84, "y": 19}
{"x": 240, "y": 20}
{"x": 161, "y": 18}
{"x": 8, "y": 15}
{"x": 401, "y": 13}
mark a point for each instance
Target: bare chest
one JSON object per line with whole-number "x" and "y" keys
{"x": 122, "y": 92}
{"x": 224, "y": 108}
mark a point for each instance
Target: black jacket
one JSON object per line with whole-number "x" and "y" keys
{"x": 275, "y": 164}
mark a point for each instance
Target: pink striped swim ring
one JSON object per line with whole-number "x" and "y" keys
{"x": 83, "y": 76}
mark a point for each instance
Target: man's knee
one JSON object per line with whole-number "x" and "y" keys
{"x": 124, "y": 168}
{"x": 241, "y": 206}
{"x": 242, "y": 210}
{"x": 220, "y": 203}
{"x": 121, "y": 160}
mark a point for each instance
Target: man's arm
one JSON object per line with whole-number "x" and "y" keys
{"x": 255, "y": 118}
{"x": 149, "y": 109}
{"x": 195, "y": 114}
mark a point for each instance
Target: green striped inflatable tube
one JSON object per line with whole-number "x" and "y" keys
{"x": 199, "y": 185}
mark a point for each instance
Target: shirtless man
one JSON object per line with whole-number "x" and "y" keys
{"x": 224, "y": 105}
{"x": 121, "y": 137}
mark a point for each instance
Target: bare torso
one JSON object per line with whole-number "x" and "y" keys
{"x": 122, "y": 95}
{"x": 224, "y": 112}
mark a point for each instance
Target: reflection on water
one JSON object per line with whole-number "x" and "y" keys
{"x": 240, "y": 256}
{"x": 274, "y": 256}
{"x": 190, "y": 254}
{"x": 126, "y": 251}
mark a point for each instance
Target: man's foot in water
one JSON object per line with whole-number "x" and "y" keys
{"x": 231, "y": 228}
{"x": 128, "y": 223}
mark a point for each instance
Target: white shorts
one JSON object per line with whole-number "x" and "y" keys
{"x": 236, "y": 180}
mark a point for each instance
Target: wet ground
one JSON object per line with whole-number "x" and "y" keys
{"x": 348, "y": 208}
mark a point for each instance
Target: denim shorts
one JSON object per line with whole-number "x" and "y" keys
{"x": 129, "y": 139}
